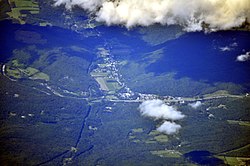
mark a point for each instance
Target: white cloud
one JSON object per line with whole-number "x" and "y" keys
{"x": 157, "y": 109}
{"x": 169, "y": 128}
{"x": 234, "y": 44}
{"x": 195, "y": 105}
{"x": 226, "y": 48}
{"x": 219, "y": 14}
{"x": 89, "y": 5}
{"x": 243, "y": 57}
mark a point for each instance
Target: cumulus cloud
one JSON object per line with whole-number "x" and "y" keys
{"x": 243, "y": 57}
{"x": 219, "y": 14}
{"x": 89, "y": 5}
{"x": 169, "y": 128}
{"x": 195, "y": 105}
{"x": 157, "y": 109}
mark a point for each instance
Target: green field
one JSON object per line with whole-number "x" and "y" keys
{"x": 105, "y": 83}
{"x": 17, "y": 70}
{"x": 167, "y": 153}
{"x": 101, "y": 81}
{"x": 113, "y": 86}
{"x": 241, "y": 123}
{"x": 137, "y": 130}
{"x": 161, "y": 138}
{"x": 19, "y": 6}
{"x": 233, "y": 161}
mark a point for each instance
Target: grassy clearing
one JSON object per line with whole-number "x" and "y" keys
{"x": 154, "y": 132}
{"x": 18, "y": 6}
{"x": 44, "y": 24}
{"x": 17, "y": 70}
{"x": 13, "y": 73}
{"x": 113, "y": 86}
{"x": 234, "y": 160}
{"x": 138, "y": 130}
{"x": 217, "y": 93}
{"x": 161, "y": 138}
{"x": 40, "y": 76}
{"x": 26, "y": 3}
{"x": 239, "y": 150}
{"x": 136, "y": 141}
{"x": 167, "y": 153}
{"x": 241, "y": 123}
{"x": 29, "y": 71}
{"x": 101, "y": 81}
{"x": 105, "y": 83}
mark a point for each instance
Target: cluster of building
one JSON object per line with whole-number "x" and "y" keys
{"x": 107, "y": 67}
